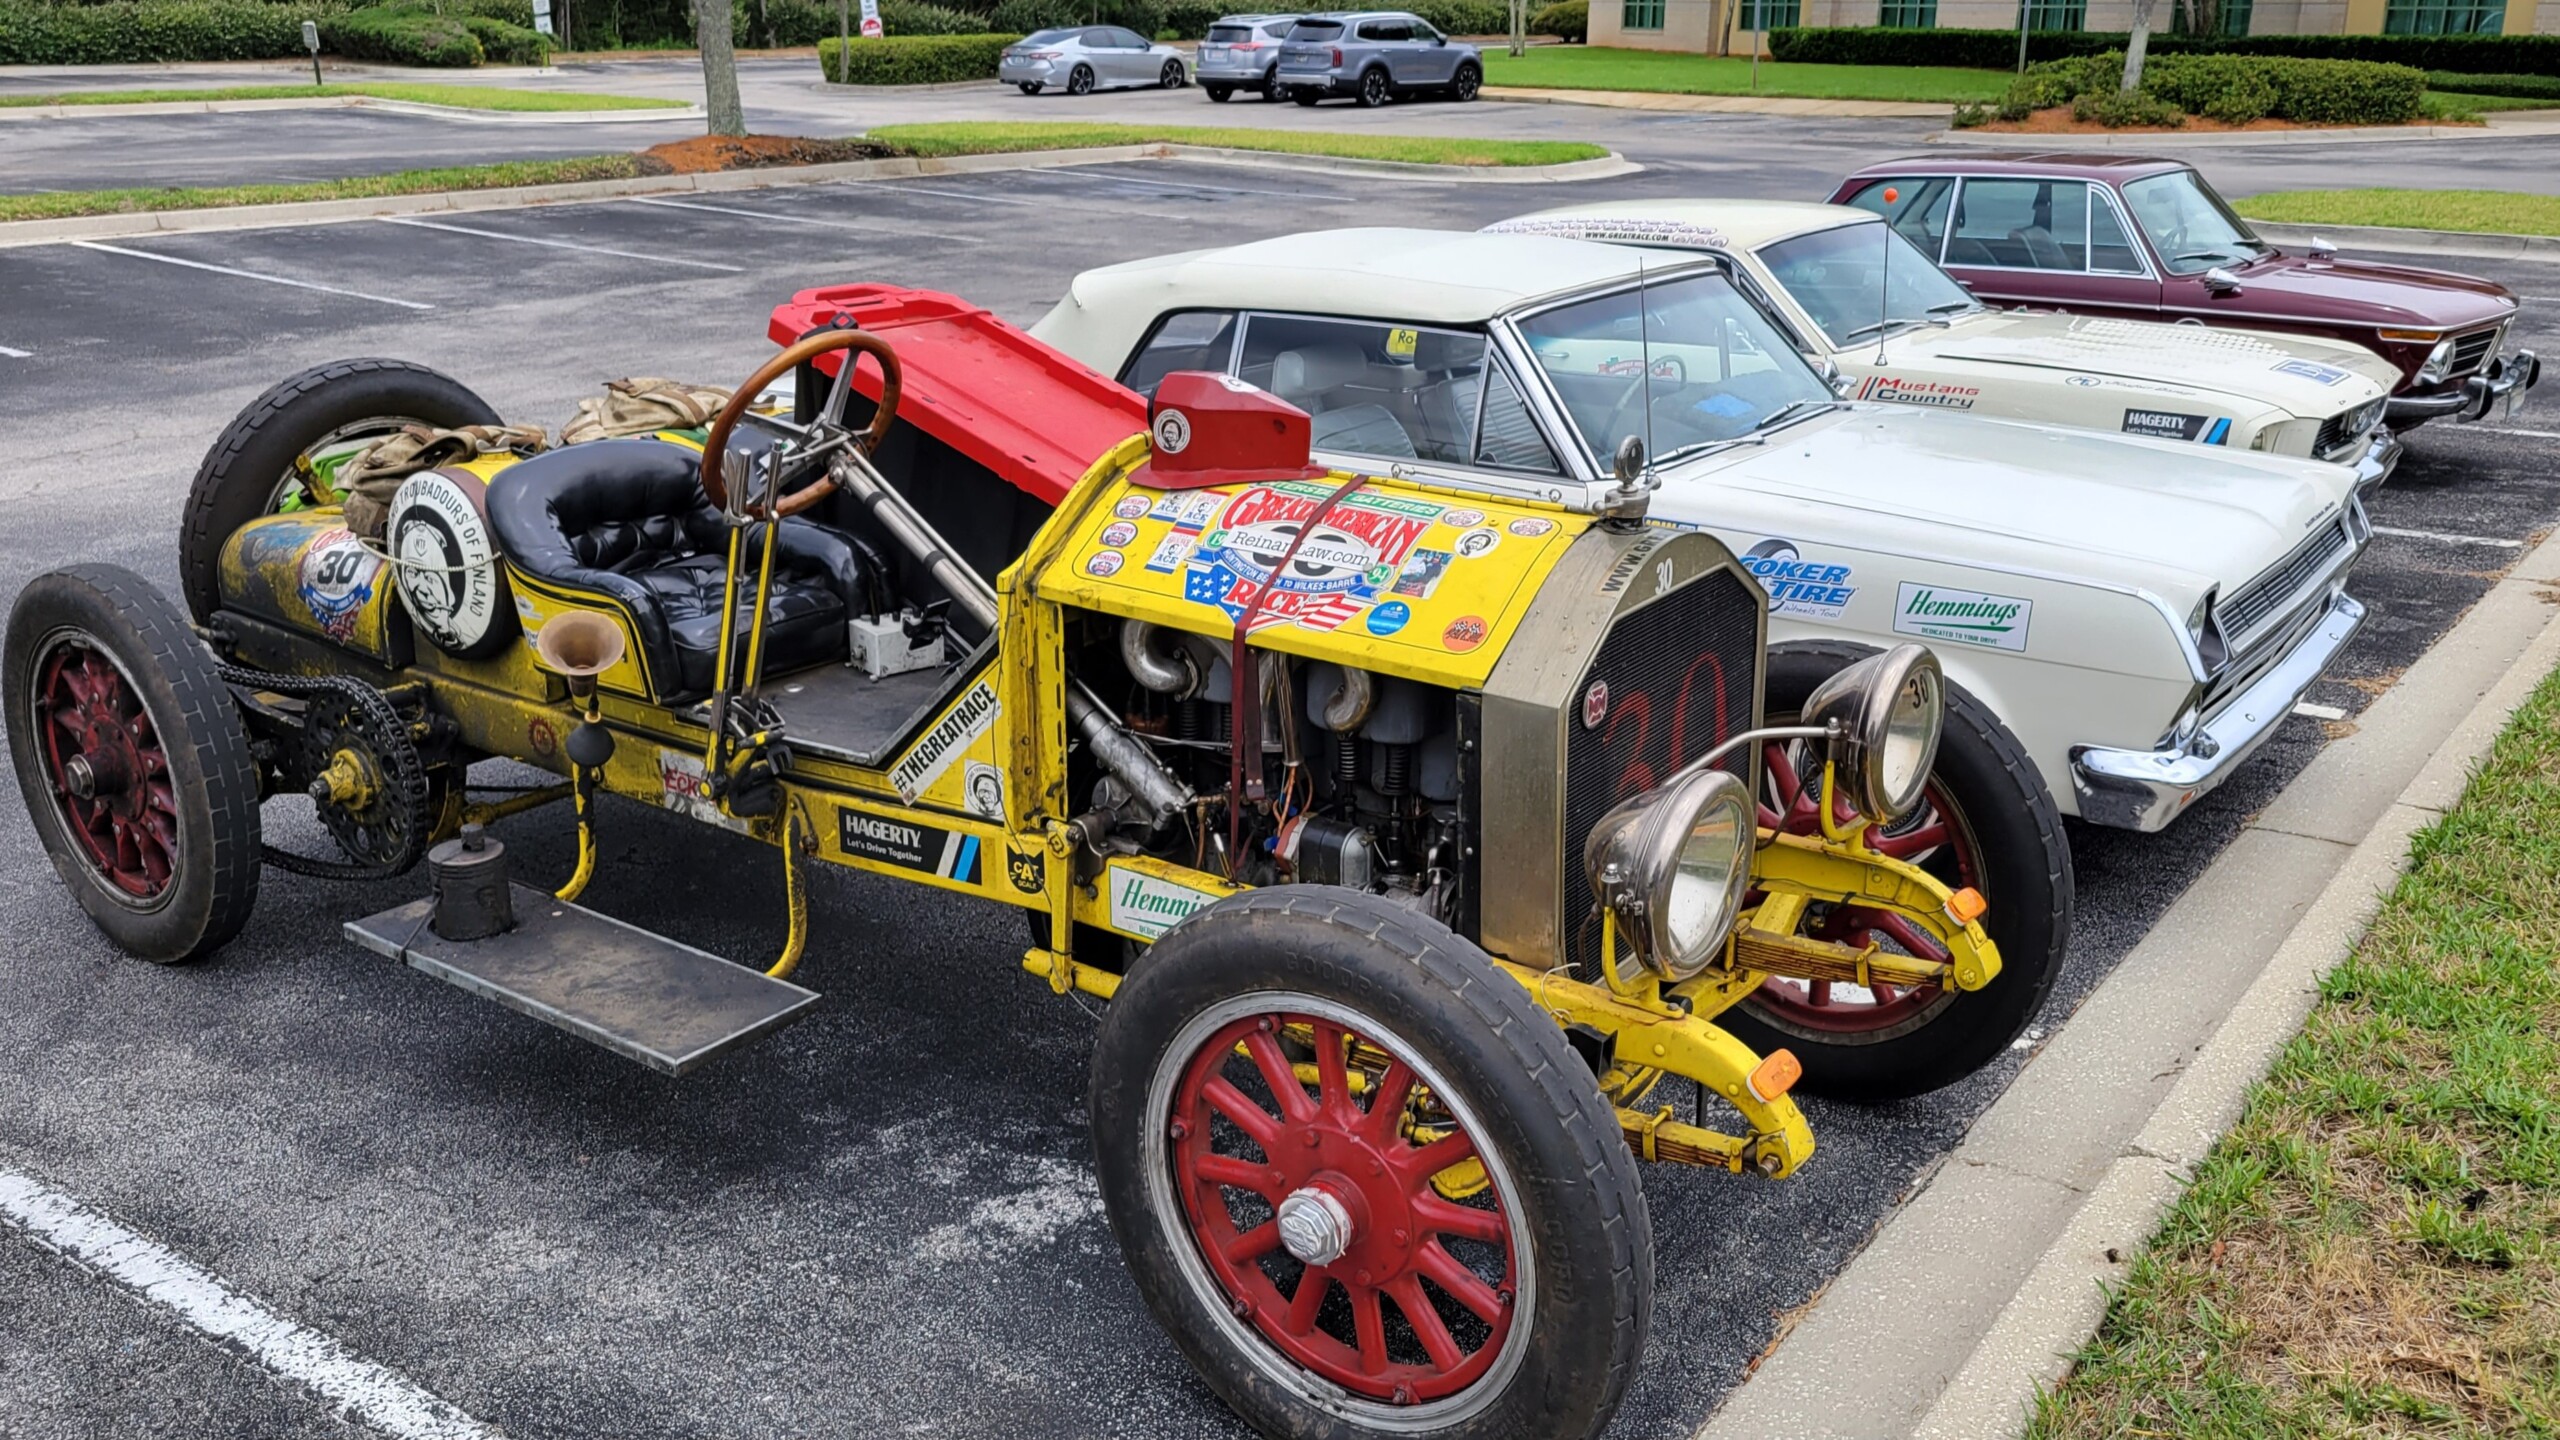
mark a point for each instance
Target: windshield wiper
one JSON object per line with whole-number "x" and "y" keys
{"x": 1952, "y": 306}
{"x": 1779, "y": 416}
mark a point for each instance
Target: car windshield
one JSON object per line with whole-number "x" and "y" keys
{"x": 2189, "y": 225}
{"x": 1316, "y": 30}
{"x": 1050, "y": 37}
{"x": 1229, "y": 34}
{"x": 1718, "y": 369}
{"x": 1862, "y": 281}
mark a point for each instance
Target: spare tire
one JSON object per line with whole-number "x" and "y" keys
{"x": 252, "y": 468}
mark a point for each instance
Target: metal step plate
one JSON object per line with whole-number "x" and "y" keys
{"x": 669, "y": 1006}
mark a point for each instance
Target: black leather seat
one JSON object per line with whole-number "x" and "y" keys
{"x": 626, "y": 521}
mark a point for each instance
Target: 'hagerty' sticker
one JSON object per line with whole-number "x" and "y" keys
{"x": 946, "y": 853}
{"x": 942, "y": 744}
{"x": 1966, "y": 617}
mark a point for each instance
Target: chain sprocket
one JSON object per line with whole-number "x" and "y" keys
{"x": 356, "y": 755}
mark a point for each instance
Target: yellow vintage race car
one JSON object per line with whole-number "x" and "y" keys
{"x": 1414, "y": 838}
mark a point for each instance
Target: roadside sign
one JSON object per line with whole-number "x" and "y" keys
{"x": 311, "y": 36}
{"x": 542, "y": 16}
{"x": 871, "y": 18}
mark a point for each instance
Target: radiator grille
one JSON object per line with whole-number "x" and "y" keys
{"x": 2343, "y": 433}
{"x": 2254, "y": 603}
{"x": 2470, "y": 350}
{"x": 1682, "y": 675}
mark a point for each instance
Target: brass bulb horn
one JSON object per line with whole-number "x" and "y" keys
{"x": 579, "y": 645}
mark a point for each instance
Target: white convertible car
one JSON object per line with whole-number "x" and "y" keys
{"x": 1851, "y": 292}
{"x": 2123, "y": 619}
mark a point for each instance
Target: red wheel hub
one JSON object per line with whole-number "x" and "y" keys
{"x": 1318, "y": 1216}
{"x": 1932, "y": 836}
{"x": 109, "y": 772}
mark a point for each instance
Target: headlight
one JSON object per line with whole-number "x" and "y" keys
{"x": 1671, "y": 866}
{"x": 1886, "y": 711}
{"x": 2439, "y": 360}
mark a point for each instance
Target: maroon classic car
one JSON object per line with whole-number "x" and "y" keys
{"x": 2150, "y": 239}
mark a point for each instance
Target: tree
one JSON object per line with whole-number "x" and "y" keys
{"x": 2136, "y": 43}
{"x": 711, "y": 21}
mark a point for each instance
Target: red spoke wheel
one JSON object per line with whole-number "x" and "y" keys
{"x": 132, "y": 760}
{"x": 1985, "y": 820}
{"x": 1362, "y": 1182}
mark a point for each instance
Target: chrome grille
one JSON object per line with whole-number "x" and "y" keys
{"x": 2262, "y": 598}
{"x": 2469, "y": 351}
{"x": 2343, "y": 433}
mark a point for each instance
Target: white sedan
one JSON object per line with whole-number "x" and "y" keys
{"x": 1853, "y": 294}
{"x": 2122, "y": 619}
{"x": 1085, "y": 58}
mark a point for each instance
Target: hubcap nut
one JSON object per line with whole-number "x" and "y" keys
{"x": 1314, "y": 1227}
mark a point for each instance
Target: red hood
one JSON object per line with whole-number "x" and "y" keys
{"x": 2359, "y": 292}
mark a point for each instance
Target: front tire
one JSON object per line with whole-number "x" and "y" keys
{"x": 1467, "y": 82}
{"x": 133, "y": 762}
{"x": 1500, "y": 1221}
{"x": 1080, "y": 80}
{"x": 1374, "y": 89}
{"x": 1170, "y": 77}
{"x": 1987, "y": 821}
{"x": 256, "y": 465}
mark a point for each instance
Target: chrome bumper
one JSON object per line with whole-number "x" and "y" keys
{"x": 2498, "y": 390}
{"x": 2381, "y": 456}
{"x": 2146, "y": 789}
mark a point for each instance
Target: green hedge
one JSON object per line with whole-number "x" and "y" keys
{"x": 2521, "y": 87}
{"x": 401, "y": 36}
{"x": 806, "y": 22}
{"x": 1568, "y": 20}
{"x": 506, "y": 44}
{"x": 1998, "y": 49}
{"x": 129, "y": 32}
{"x": 2235, "y": 89}
{"x": 913, "y": 59}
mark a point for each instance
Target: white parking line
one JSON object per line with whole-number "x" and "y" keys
{"x": 357, "y": 1386}
{"x": 2319, "y": 712}
{"x": 2528, "y": 434}
{"x": 903, "y": 188}
{"x": 1211, "y": 189}
{"x": 560, "y": 244}
{"x": 812, "y": 220}
{"x": 251, "y": 275}
{"x": 2491, "y": 540}
{"x": 15, "y": 354}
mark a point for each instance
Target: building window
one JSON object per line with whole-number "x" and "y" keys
{"x": 1908, "y": 14}
{"x": 2057, "y": 14}
{"x": 2445, "y": 17}
{"x": 1770, "y": 14}
{"x": 1641, "y": 15}
{"x": 2212, "y": 17}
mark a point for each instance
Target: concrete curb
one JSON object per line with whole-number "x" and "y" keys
{"x": 324, "y": 212}
{"x": 350, "y": 102}
{"x": 2542, "y": 248}
{"x": 1714, "y": 104}
{"x": 2150, "y": 140}
{"x": 1972, "y": 1296}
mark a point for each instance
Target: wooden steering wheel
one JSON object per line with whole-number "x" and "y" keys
{"x": 715, "y": 445}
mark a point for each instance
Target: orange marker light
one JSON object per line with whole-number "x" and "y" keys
{"x": 1775, "y": 1076}
{"x": 1966, "y": 906}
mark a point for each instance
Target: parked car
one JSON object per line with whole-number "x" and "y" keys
{"x": 2122, "y": 620}
{"x": 1242, "y": 52}
{"x": 1856, "y": 297}
{"x": 1090, "y": 58}
{"x": 2124, "y": 235}
{"x": 1375, "y": 56}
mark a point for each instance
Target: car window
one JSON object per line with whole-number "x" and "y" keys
{"x": 1128, "y": 39}
{"x": 1050, "y": 37}
{"x": 1385, "y": 30}
{"x": 1183, "y": 340}
{"x": 2189, "y": 225}
{"x": 1915, "y": 207}
{"x": 1697, "y": 364}
{"x": 1397, "y": 391}
{"x": 2022, "y": 224}
{"x": 2110, "y": 249}
{"x": 1098, "y": 39}
{"x": 1421, "y": 30}
{"x": 1859, "y": 281}
{"x": 1229, "y": 34}
{"x": 1279, "y": 31}
{"x": 1507, "y": 435}
{"x": 1316, "y": 30}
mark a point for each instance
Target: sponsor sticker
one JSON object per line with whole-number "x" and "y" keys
{"x": 1403, "y": 342}
{"x": 1170, "y": 552}
{"x": 1141, "y": 904}
{"x": 1530, "y": 526}
{"x": 1812, "y": 589}
{"x": 1904, "y": 390}
{"x": 2164, "y": 424}
{"x": 1118, "y": 533}
{"x": 1478, "y": 542}
{"x": 985, "y": 790}
{"x": 1966, "y": 617}
{"x": 1462, "y": 519}
{"x": 1422, "y": 573}
{"x": 1130, "y": 507}
{"x": 448, "y": 575}
{"x": 907, "y": 845}
{"x": 1191, "y": 510}
{"x": 1340, "y": 567}
{"x": 1105, "y": 564}
{"x": 1172, "y": 431}
{"x": 684, "y": 786}
{"x": 337, "y": 581}
{"x": 2083, "y": 381}
{"x": 2313, "y": 370}
{"x": 1595, "y": 704}
{"x": 1464, "y": 633}
{"x": 539, "y": 734}
{"x": 972, "y": 716}
{"x": 1389, "y": 618}
{"x": 1027, "y": 869}
{"x": 1619, "y": 230}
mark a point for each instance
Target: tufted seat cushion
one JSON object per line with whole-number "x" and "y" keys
{"x": 627, "y": 520}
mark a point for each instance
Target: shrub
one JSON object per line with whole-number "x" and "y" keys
{"x": 403, "y": 36}
{"x": 2537, "y": 55}
{"x": 132, "y": 31}
{"x": 1968, "y": 116}
{"x": 509, "y": 44}
{"x": 1191, "y": 19}
{"x": 1567, "y": 20}
{"x": 2119, "y": 108}
{"x": 913, "y": 59}
{"x": 2235, "y": 89}
{"x": 1464, "y": 17}
{"x": 806, "y": 22}
{"x": 2521, "y": 87}
{"x": 1022, "y": 17}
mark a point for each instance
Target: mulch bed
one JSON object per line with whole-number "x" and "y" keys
{"x": 705, "y": 153}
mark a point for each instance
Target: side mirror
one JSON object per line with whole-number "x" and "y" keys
{"x": 1829, "y": 369}
{"x": 2322, "y": 250}
{"x": 1628, "y": 463}
{"x": 1888, "y": 711}
{"x": 2221, "y": 281}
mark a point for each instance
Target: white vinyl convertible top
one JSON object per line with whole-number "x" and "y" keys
{"x": 1692, "y": 224}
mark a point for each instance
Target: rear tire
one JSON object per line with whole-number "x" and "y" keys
{"x": 2005, "y": 839}
{"x": 1374, "y": 89}
{"x": 250, "y": 469}
{"x": 1272, "y": 89}
{"x": 1029, "y": 87}
{"x": 1307, "y": 97}
{"x": 1080, "y": 80}
{"x": 1557, "y": 1213}
{"x": 133, "y": 762}
{"x": 1218, "y": 93}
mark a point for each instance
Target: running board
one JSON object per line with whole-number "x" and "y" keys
{"x": 669, "y": 1006}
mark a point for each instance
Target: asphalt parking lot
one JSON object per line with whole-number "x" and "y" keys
{"x": 880, "y": 1221}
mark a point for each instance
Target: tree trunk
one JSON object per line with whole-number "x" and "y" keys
{"x": 2136, "y": 43}
{"x": 711, "y": 23}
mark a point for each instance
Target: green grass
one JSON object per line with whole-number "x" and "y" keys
{"x": 406, "y": 182}
{"x": 994, "y": 137}
{"x": 2371, "y": 1251}
{"x": 2443, "y": 104}
{"x": 468, "y": 97}
{"x": 2486, "y": 212}
{"x": 1587, "y": 67}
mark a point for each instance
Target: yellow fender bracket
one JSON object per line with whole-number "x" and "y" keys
{"x": 1668, "y": 1038}
{"x": 1811, "y": 868}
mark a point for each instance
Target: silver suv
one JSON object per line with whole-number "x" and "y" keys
{"x": 1375, "y": 56}
{"x": 1242, "y": 52}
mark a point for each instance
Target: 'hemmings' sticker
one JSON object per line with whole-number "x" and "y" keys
{"x": 942, "y": 744}
{"x": 946, "y": 853}
{"x": 1966, "y": 617}
{"x": 1141, "y": 904}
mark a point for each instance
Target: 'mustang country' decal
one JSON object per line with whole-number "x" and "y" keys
{"x": 946, "y": 853}
{"x": 942, "y": 744}
{"x": 1904, "y": 391}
